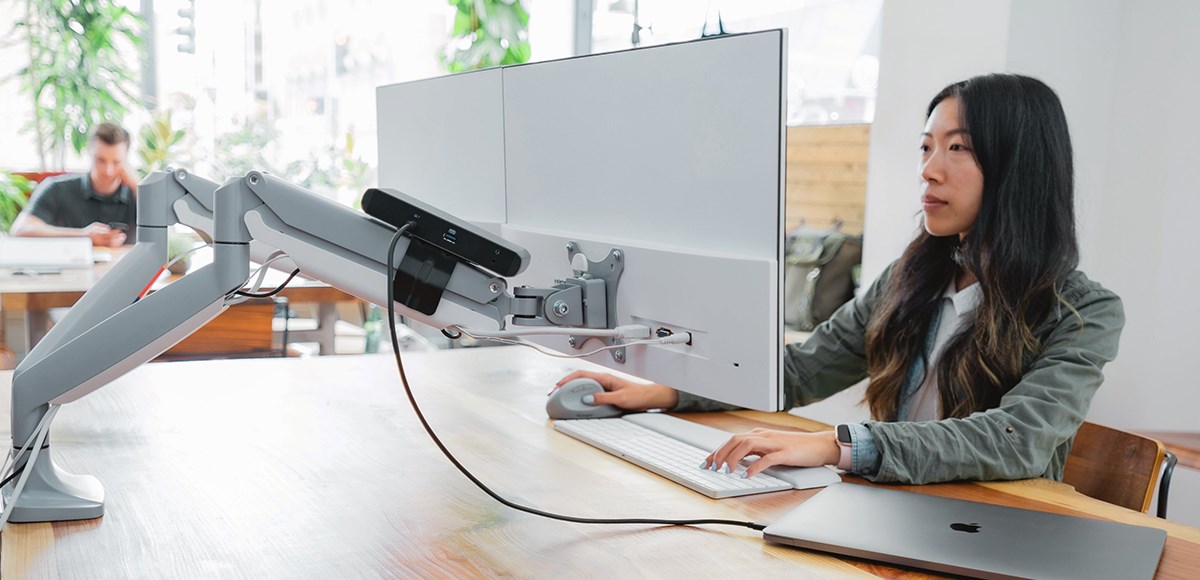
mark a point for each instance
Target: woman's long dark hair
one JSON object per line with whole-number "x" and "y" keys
{"x": 1020, "y": 248}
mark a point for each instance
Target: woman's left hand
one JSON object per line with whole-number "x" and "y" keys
{"x": 777, "y": 448}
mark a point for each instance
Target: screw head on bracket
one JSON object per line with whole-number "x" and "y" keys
{"x": 495, "y": 288}
{"x": 617, "y": 255}
{"x": 619, "y": 356}
{"x": 561, "y": 308}
{"x": 571, "y": 341}
{"x": 254, "y": 179}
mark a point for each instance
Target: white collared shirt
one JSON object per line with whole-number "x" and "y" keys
{"x": 957, "y": 306}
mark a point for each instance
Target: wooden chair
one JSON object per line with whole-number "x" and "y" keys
{"x": 242, "y": 331}
{"x": 1118, "y": 467}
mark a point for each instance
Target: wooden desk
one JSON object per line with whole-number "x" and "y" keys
{"x": 25, "y": 301}
{"x": 317, "y": 468}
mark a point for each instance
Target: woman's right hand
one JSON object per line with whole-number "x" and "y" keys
{"x": 627, "y": 394}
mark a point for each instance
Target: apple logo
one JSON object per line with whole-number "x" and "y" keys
{"x": 971, "y": 528}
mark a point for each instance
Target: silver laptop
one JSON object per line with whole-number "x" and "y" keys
{"x": 966, "y": 538}
{"x": 45, "y": 254}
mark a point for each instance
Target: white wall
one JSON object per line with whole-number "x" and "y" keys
{"x": 925, "y": 45}
{"x": 1141, "y": 239}
{"x": 1127, "y": 74}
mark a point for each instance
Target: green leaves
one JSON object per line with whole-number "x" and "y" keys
{"x": 486, "y": 33}
{"x": 158, "y": 140}
{"x": 77, "y": 76}
{"x": 14, "y": 193}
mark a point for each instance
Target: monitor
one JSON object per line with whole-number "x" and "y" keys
{"x": 672, "y": 154}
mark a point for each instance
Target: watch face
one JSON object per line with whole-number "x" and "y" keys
{"x": 843, "y": 434}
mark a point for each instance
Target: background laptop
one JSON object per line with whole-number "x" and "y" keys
{"x": 966, "y": 538}
{"x": 45, "y": 254}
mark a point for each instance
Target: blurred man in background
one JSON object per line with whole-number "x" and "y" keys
{"x": 100, "y": 204}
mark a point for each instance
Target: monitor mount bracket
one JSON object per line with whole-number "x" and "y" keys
{"x": 586, "y": 300}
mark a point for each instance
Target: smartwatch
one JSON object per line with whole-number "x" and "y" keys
{"x": 846, "y": 442}
{"x": 843, "y": 435}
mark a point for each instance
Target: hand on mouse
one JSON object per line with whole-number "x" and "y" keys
{"x": 625, "y": 394}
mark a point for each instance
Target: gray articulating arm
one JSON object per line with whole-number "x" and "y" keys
{"x": 348, "y": 250}
{"x": 162, "y": 196}
{"x": 109, "y": 332}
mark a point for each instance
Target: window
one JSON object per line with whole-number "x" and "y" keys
{"x": 833, "y": 58}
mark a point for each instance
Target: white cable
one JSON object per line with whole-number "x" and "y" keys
{"x": 28, "y": 469}
{"x": 680, "y": 338}
{"x": 184, "y": 255}
{"x": 262, "y": 270}
{"x": 261, "y": 273}
{"x": 638, "y": 331}
{"x": 554, "y": 354}
{"x": 4, "y": 472}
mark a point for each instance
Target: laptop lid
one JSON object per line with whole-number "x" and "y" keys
{"x": 966, "y": 538}
{"x": 45, "y": 253}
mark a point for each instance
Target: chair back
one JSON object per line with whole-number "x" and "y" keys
{"x": 1115, "y": 466}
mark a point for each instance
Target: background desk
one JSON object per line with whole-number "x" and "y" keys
{"x": 317, "y": 468}
{"x": 25, "y": 301}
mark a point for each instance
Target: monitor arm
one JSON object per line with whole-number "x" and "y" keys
{"x": 110, "y": 331}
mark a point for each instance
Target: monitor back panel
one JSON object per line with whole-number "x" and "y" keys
{"x": 672, "y": 154}
{"x": 441, "y": 141}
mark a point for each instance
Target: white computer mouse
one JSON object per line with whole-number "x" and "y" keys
{"x": 566, "y": 402}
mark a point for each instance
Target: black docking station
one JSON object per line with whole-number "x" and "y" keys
{"x": 446, "y": 232}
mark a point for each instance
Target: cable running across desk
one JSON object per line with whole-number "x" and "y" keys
{"x": 391, "y": 308}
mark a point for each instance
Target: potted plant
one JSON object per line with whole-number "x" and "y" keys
{"x": 14, "y": 194}
{"x": 179, "y": 258}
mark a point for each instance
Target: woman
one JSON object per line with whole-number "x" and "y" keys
{"x": 983, "y": 342}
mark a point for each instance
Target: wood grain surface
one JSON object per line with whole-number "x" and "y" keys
{"x": 318, "y": 468}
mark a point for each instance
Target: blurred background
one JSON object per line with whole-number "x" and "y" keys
{"x": 288, "y": 86}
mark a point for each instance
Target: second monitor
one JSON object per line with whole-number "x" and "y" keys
{"x": 673, "y": 155}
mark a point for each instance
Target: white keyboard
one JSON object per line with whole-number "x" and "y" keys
{"x": 666, "y": 456}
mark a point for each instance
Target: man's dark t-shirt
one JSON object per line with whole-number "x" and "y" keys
{"x": 69, "y": 201}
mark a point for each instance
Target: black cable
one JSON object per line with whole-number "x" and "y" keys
{"x": 391, "y": 306}
{"x": 15, "y": 473}
{"x": 277, "y": 289}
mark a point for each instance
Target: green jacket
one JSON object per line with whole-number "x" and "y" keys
{"x": 1028, "y": 435}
